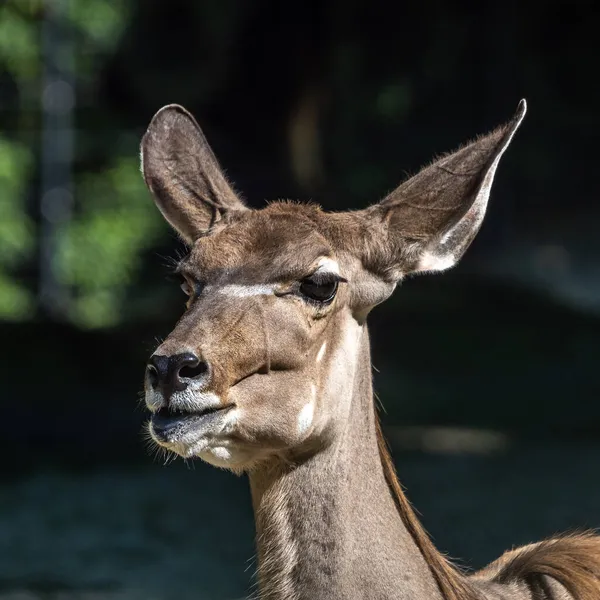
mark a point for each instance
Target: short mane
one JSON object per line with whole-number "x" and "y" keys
{"x": 571, "y": 559}
{"x": 453, "y": 584}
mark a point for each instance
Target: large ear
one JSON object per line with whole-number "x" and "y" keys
{"x": 183, "y": 174}
{"x": 432, "y": 218}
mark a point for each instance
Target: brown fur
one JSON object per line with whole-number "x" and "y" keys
{"x": 452, "y": 583}
{"x": 285, "y": 391}
{"x": 571, "y": 559}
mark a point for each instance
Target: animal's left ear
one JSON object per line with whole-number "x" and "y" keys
{"x": 431, "y": 219}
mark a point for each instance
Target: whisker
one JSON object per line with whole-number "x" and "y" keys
{"x": 378, "y": 403}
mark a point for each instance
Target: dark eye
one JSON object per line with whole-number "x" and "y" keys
{"x": 186, "y": 287}
{"x": 190, "y": 288}
{"x": 319, "y": 289}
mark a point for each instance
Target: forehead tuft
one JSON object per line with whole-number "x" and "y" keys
{"x": 284, "y": 238}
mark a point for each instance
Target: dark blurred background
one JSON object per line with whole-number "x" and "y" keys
{"x": 489, "y": 374}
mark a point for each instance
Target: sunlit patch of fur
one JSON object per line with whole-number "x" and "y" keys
{"x": 328, "y": 265}
{"x": 280, "y": 556}
{"x": 305, "y": 418}
{"x": 321, "y": 353}
{"x": 431, "y": 262}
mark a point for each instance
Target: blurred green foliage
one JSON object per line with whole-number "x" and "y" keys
{"x": 371, "y": 106}
{"x": 16, "y": 228}
{"x": 19, "y": 59}
{"x": 99, "y": 249}
{"x": 19, "y": 39}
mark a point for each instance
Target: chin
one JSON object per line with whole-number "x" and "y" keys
{"x": 220, "y": 456}
{"x": 191, "y": 436}
{"x": 231, "y": 459}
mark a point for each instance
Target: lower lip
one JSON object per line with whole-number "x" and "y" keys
{"x": 166, "y": 427}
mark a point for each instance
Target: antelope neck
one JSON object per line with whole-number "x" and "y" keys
{"x": 328, "y": 527}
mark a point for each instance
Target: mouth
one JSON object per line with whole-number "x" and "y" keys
{"x": 170, "y": 426}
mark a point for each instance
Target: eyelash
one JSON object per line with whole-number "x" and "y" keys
{"x": 320, "y": 280}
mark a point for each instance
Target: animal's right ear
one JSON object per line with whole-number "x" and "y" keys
{"x": 183, "y": 174}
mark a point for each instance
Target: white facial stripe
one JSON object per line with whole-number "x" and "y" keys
{"x": 236, "y": 290}
{"x": 244, "y": 291}
{"x": 305, "y": 417}
{"x": 321, "y": 353}
{"x": 329, "y": 265}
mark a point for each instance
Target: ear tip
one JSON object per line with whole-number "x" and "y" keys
{"x": 171, "y": 113}
{"x": 521, "y": 109}
{"x": 511, "y": 126}
{"x": 172, "y": 108}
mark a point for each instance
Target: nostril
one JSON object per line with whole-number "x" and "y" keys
{"x": 193, "y": 371}
{"x": 173, "y": 373}
{"x": 152, "y": 376}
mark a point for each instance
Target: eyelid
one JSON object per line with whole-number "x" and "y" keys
{"x": 326, "y": 277}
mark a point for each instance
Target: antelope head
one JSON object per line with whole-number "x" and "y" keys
{"x": 263, "y": 360}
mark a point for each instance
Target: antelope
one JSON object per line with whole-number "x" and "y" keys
{"x": 268, "y": 372}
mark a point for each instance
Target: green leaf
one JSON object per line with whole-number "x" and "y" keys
{"x": 16, "y": 303}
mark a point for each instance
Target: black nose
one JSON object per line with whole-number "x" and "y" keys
{"x": 173, "y": 373}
